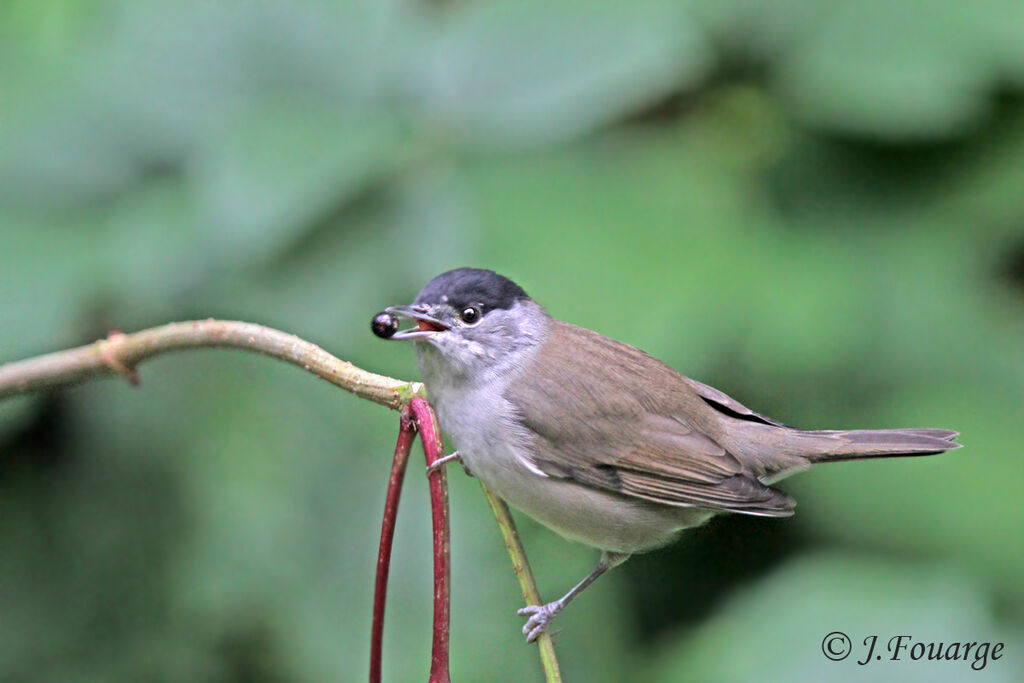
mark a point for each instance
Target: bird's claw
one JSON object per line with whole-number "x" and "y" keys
{"x": 441, "y": 462}
{"x": 540, "y": 617}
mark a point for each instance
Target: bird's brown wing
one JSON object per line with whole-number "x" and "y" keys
{"x": 727, "y": 405}
{"x": 607, "y": 415}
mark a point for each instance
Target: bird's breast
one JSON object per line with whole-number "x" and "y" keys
{"x": 484, "y": 428}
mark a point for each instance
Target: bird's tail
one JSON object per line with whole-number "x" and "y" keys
{"x": 833, "y": 446}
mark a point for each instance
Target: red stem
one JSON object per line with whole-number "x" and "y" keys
{"x": 433, "y": 449}
{"x": 406, "y": 435}
{"x": 417, "y": 415}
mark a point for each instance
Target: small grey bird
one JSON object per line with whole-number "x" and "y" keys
{"x": 598, "y": 440}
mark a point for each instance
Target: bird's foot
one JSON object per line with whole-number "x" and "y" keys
{"x": 541, "y": 617}
{"x": 441, "y": 462}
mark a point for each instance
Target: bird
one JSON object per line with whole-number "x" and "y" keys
{"x": 596, "y": 439}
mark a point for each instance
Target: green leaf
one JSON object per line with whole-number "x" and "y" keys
{"x": 277, "y": 169}
{"x": 889, "y": 69}
{"x": 529, "y": 73}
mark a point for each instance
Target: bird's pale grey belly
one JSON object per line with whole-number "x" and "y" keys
{"x": 601, "y": 519}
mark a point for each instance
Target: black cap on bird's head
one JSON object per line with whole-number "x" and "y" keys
{"x": 472, "y": 287}
{"x": 460, "y": 299}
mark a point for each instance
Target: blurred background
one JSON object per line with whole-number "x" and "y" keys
{"x": 816, "y": 207}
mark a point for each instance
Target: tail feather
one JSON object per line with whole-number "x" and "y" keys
{"x": 832, "y": 446}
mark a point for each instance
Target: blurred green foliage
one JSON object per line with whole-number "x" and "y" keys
{"x": 817, "y": 207}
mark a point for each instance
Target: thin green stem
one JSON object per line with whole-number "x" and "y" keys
{"x": 521, "y": 567}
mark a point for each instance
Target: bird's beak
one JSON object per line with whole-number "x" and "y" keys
{"x": 426, "y": 324}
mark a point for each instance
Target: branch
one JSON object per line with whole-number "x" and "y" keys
{"x": 521, "y": 567}
{"x": 433, "y": 450}
{"x": 406, "y": 435}
{"x": 119, "y": 353}
{"x": 417, "y": 416}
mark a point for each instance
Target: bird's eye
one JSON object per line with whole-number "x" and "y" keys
{"x": 470, "y": 315}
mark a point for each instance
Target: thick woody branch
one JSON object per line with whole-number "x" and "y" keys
{"x": 119, "y": 353}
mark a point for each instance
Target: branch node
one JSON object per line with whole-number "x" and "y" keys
{"x": 109, "y": 348}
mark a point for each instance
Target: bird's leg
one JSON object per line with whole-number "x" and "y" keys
{"x": 542, "y": 615}
{"x": 441, "y": 462}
